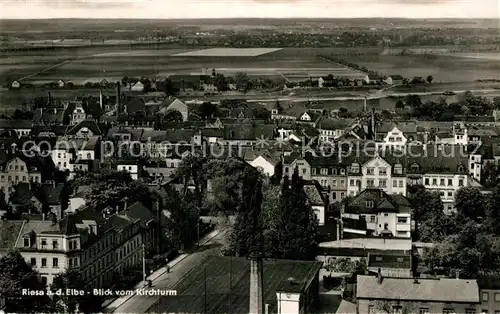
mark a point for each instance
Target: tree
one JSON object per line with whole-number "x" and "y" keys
{"x": 241, "y": 80}
{"x": 173, "y": 116}
{"x": 429, "y": 79}
{"x": 110, "y": 189}
{"x": 271, "y": 216}
{"x": 72, "y": 279}
{"x": 183, "y": 218}
{"x": 206, "y": 110}
{"x": 299, "y": 225}
{"x": 469, "y": 203}
{"x": 248, "y": 229}
{"x": 492, "y": 220}
{"x": 15, "y": 276}
{"x": 496, "y": 102}
{"x": 261, "y": 113}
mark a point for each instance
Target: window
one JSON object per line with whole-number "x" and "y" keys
{"x": 44, "y": 281}
{"x": 434, "y": 181}
{"x": 382, "y": 171}
{"x": 497, "y": 297}
{"x": 324, "y": 171}
{"x": 55, "y": 245}
{"x": 372, "y": 219}
{"x": 402, "y": 220}
{"x": 369, "y": 204}
{"x": 423, "y": 310}
{"x": 394, "y": 183}
{"x": 33, "y": 261}
{"x": 313, "y": 171}
{"x": 370, "y": 183}
{"x": 286, "y": 169}
{"x": 370, "y": 171}
{"x": 484, "y": 296}
{"x": 70, "y": 262}
{"x": 371, "y": 309}
{"x": 450, "y": 194}
{"x": 461, "y": 182}
{"x": 27, "y": 242}
{"x": 401, "y": 183}
{"x": 70, "y": 245}
{"x": 334, "y": 183}
{"x": 398, "y": 169}
{"x": 44, "y": 242}
{"x": 448, "y": 311}
{"x": 441, "y": 182}
{"x": 397, "y": 309}
{"x": 44, "y": 262}
{"x": 426, "y": 181}
{"x": 55, "y": 263}
{"x": 470, "y": 311}
{"x": 382, "y": 183}
{"x": 450, "y": 181}
{"x": 342, "y": 171}
{"x": 351, "y": 182}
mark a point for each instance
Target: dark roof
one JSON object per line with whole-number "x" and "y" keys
{"x": 396, "y": 77}
{"x": 249, "y": 132}
{"x": 389, "y": 261}
{"x": 15, "y": 124}
{"x": 214, "y": 274}
{"x": 46, "y": 193}
{"x": 68, "y": 225}
{"x": 382, "y": 202}
{"x": 170, "y": 136}
{"x": 9, "y": 230}
{"x": 490, "y": 282}
{"x": 89, "y": 124}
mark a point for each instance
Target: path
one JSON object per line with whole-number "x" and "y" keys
{"x": 44, "y": 70}
{"x": 161, "y": 279}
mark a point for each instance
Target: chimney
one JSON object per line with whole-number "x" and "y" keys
{"x": 118, "y": 96}
{"x": 379, "y": 276}
{"x": 457, "y": 274}
{"x": 44, "y": 216}
{"x": 256, "y": 283}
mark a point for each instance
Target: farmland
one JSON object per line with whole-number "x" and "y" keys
{"x": 444, "y": 68}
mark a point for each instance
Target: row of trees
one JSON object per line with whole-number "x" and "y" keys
{"x": 288, "y": 228}
{"x": 467, "y": 242}
{"x": 441, "y": 110}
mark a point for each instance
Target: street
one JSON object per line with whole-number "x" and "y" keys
{"x": 167, "y": 281}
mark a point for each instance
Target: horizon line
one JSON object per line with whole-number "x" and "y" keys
{"x": 255, "y": 18}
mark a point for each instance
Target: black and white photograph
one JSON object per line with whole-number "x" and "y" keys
{"x": 250, "y": 156}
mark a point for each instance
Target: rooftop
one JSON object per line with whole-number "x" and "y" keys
{"x": 224, "y": 286}
{"x": 426, "y": 290}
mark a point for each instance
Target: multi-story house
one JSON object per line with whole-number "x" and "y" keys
{"x": 317, "y": 200}
{"x": 180, "y": 106}
{"x": 78, "y": 115}
{"x": 47, "y": 197}
{"x": 130, "y": 166}
{"x": 98, "y": 246}
{"x": 418, "y": 295}
{"x": 383, "y": 171}
{"x": 21, "y": 168}
{"x": 331, "y": 129}
{"x": 85, "y": 129}
{"x": 489, "y": 287}
{"x": 386, "y": 215}
{"x": 238, "y": 135}
{"x": 20, "y": 127}
{"x": 441, "y": 173}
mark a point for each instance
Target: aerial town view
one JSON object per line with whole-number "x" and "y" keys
{"x": 250, "y": 156}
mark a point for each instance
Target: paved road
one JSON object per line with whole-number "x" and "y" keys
{"x": 141, "y": 304}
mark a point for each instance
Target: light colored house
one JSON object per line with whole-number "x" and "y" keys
{"x": 16, "y": 170}
{"x": 180, "y": 106}
{"x": 317, "y": 201}
{"x": 385, "y": 215}
{"x": 332, "y": 129}
{"x": 265, "y": 163}
{"x": 129, "y": 166}
{"x": 419, "y": 295}
{"x": 137, "y": 87}
{"x": 78, "y": 115}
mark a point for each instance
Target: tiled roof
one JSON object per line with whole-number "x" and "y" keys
{"x": 334, "y": 124}
{"x": 170, "y": 136}
{"x": 314, "y": 195}
{"x": 426, "y": 290}
{"x": 15, "y": 124}
{"x": 248, "y": 132}
{"x": 382, "y": 202}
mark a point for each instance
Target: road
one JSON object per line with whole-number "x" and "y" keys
{"x": 167, "y": 281}
{"x": 44, "y": 70}
{"x": 372, "y": 95}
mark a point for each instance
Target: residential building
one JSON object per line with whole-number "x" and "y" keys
{"x": 489, "y": 289}
{"x": 46, "y": 197}
{"x": 21, "y": 127}
{"x": 238, "y": 135}
{"x": 380, "y": 294}
{"x": 332, "y": 129}
{"x": 130, "y": 166}
{"x": 387, "y": 215}
{"x": 85, "y": 129}
{"x": 78, "y": 115}
{"x": 317, "y": 200}
{"x": 19, "y": 169}
{"x": 383, "y": 171}
{"x": 180, "y": 106}
{"x": 266, "y": 163}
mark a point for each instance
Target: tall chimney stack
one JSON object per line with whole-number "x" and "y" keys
{"x": 118, "y": 96}
{"x": 256, "y": 283}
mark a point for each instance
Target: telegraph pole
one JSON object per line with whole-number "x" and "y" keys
{"x": 144, "y": 263}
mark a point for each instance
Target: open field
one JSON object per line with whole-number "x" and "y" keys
{"x": 444, "y": 68}
{"x": 494, "y": 56}
{"x": 228, "y": 52}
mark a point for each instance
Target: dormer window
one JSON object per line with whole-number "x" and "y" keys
{"x": 415, "y": 167}
{"x": 398, "y": 169}
{"x": 369, "y": 204}
{"x": 355, "y": 168}
{"x": 461, "y": 168}
{"x": 27, "y": 242}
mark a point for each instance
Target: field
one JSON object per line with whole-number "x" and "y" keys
{"x": 299, "y": 64}
{"x": 444, "y": 68}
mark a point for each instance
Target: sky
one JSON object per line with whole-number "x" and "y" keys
{"x": 191, "y": 9}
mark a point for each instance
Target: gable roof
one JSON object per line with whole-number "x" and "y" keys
{"x": 382, "y": 202}
{"x": 89, "y": 124}
{"x": 426, "y": 290}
